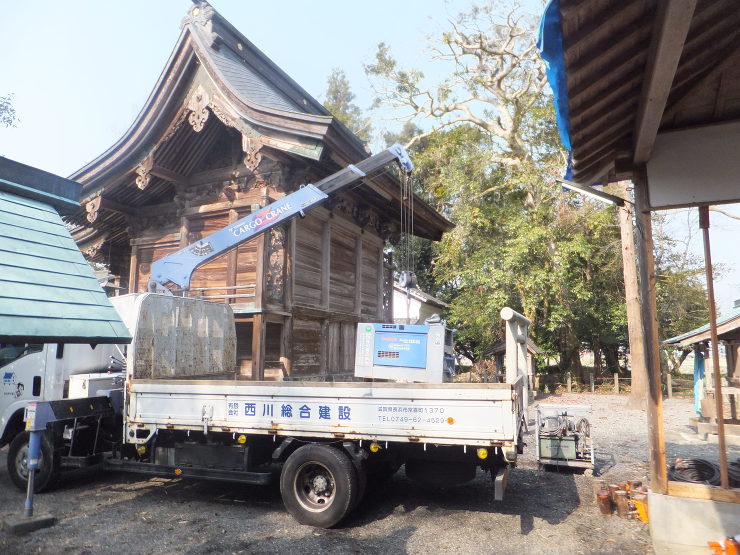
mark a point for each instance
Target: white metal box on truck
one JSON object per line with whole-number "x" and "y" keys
{"x": 92, "y": 385}
{"x": 404, "y": 352}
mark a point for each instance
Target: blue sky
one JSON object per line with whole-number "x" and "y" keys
{"x": 81, "y": 70}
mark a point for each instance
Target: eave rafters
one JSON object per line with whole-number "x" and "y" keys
{"x": 669, "y": 35}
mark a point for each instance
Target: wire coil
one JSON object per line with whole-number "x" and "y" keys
{"x": 696, "y": 471}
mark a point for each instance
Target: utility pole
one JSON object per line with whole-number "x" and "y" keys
{"x": 635, "y": 329}
{"x": 638, "y": 392}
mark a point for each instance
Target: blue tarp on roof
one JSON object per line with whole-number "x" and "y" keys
{"x": 550, "y": 44}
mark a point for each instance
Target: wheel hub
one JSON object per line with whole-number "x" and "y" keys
{"x": 314, "y": 487}
{"x": 320, "y": 484}
{"x": 21, "y": 462}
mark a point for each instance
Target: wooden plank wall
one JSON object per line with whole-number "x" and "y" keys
{"x": 338, "y": 273}
{"x": 338, "y": 279}
{"x": 343, "y": 270}
{"x": 308, "y": 259}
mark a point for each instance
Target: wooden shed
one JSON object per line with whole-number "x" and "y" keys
{"x": 649, "y": 90}
{"x": 224, "y": 133}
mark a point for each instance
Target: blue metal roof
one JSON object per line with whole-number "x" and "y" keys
{"x": 48, "y": 292}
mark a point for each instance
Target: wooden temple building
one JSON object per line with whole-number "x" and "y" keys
{"x": 224, "y": 133}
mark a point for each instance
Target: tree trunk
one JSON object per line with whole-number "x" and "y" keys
{"x": 570, "y": 356}
{"x": 612, "y": 359}
{"x": 597, "y": 358}
{"x": 638, "y": 369}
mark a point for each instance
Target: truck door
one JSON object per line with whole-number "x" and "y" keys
{"x": 22, "y": 368}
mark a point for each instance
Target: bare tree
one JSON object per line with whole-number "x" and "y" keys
{"x": 7, "y": 112}
{"x": 497, "y": 77}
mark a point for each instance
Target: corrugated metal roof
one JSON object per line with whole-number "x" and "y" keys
{"x": 48, "y": 292}
{"x": 420, "y": 295}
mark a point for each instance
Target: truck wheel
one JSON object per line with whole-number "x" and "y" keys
{"x": 48, "y": 471}
{"x": 318, "y": 485}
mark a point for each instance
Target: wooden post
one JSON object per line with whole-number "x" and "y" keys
{"x": 358, "y": 275}
{"x": 649, "y": 311}
{"x": 632, "y": 298}
{"x": 616, "y": 382}
{"x": 258, "y": 347}
{"x": 723, "y": 470}
{"x": 380, "y": 284}
{"x": 133, "y": 270}
{"x": 286, "y": 346}
{"x": 591, "y": 382}
{"x": 290, "y": 254}
{"x": 231, "y": 262}
{"x": 669, "y": 384}
{"x": 570, "y": 382}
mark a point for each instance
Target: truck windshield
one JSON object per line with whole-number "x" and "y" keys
{"x": 13, "y": 351}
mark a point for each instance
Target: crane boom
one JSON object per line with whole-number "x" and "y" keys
{"x": 179, "y": 266}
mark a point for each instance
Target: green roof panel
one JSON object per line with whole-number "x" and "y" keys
{"x": 48, "y": 292}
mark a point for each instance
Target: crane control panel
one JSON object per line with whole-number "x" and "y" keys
{"x": 405, "y": 352}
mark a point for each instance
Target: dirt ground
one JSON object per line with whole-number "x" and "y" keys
{"x": 551, "y": 512}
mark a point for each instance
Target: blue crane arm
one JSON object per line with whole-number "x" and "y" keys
{"x": 179, "y": 266}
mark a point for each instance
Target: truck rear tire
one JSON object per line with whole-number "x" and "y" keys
{"x": 319, "y": 485}
{"x": 48, "y": 472}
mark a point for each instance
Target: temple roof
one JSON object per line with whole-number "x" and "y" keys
{"x": 213, "y": 75}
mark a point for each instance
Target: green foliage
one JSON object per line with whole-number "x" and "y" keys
{"x": 339, "y": 101}
{"x": 681, "y": 293}
{"x": 8, "y": 116}
{"x": 518, "y": 242}
{"x": 488, "y": 163}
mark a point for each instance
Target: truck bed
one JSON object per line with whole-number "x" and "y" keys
{"x": 447, "y": 414}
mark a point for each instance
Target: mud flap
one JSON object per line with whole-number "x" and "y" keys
{"x": 500, "y": 480}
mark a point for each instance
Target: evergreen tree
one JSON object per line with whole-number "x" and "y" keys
{"x": 340, "y": 102}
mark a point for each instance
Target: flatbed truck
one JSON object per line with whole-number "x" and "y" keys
{"x": 180, "y": 411}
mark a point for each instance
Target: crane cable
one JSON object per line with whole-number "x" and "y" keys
{"x": 407, "y": 254}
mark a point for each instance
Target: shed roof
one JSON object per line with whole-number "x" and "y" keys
{"x": 625, "y": 70}
{"x": 48, "y": 292}
{"x": 500, "y": 349}
{"x": 725, "y": 326}
{"x": 420, "y": 295}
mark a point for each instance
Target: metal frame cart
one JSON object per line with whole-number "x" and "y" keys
{"x": 563, "y": 436}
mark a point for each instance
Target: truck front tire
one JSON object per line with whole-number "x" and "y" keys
{"x": 48, "y": 471}
{"x": 319, "y": 485}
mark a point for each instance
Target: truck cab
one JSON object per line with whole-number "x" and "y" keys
{"x": 41, "y": 372}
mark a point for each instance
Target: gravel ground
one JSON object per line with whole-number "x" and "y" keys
{"x": 551, "y": 512}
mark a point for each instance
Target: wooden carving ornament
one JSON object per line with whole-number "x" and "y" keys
{"x": 143, "y": 170}
{"x": 252, "y": 155}
{"x": 92, "y": 207}
{"x": 198, "y": 106}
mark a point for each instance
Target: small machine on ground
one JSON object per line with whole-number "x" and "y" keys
{"x": 563, "y": 436}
